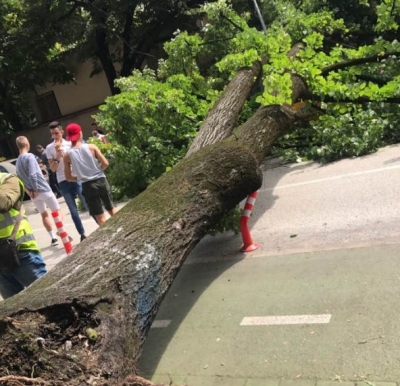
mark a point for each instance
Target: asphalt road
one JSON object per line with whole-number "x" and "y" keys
{"x": 308, "y": 206}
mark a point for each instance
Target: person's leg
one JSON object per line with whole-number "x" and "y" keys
{"x": 54, "y": 206}
{"x": 46, "y": 221}
{"x": 112, "y": 211}
{"x": 32, "y": 267}
{"x": 40, "y": 205}
{"x": 79, "y": 192}
{"x": 9, "y": 286}
{"x": 68, "y": 191}
{"x": 91, "y": 192}
{"x": 53, "y": 182}
{"x": 100, "y": 218}
{"x": 41, "y": 208}
{"x": 51, "y": 202}
{"x": 105, "y": 195}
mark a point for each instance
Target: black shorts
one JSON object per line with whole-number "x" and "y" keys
{"x": 97, "y": 193}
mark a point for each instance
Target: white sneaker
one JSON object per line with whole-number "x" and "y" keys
{"x": 54, "y": 242}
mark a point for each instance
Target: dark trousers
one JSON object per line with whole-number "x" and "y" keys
{"x": 53, "y": 182}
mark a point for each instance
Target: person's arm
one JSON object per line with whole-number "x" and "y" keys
{"x": 99, "y": 156}
{"x": 53, "y": 161}
{"x": 44, "y": 158}
{"x": 67, "y": 168}
{"x": 32, "y": 170}
{"x": 10, "y": 194}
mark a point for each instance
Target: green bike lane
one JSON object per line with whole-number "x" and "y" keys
{"x": 198, "y": 338}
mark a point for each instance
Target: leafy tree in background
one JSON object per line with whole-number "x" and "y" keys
{"x": 28, "y": 57}
{"x": 39, "y": 39}
{"x": 156, "y": 116}
{"x": 352, "y": 129}
{"x": 118, "y": 36}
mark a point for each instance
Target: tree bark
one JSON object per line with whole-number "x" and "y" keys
{"x": 87, "y": 319}
{"x": 104, "y": 55}
{"x": 223, "y": 116}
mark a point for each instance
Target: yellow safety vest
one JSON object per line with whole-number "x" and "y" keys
{"x": 24, "y": 237}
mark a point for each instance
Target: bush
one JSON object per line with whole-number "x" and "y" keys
{"x": 348, "y": 131}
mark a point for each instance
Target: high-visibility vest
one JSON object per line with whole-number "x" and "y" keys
{"x": 24, "y": 237}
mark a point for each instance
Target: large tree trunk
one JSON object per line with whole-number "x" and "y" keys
{"x": 88, "y": 318}
{"x": 223, "y": 116}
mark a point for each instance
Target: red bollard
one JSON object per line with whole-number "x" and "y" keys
{"x": 248, "y": 244}
{"x": 61, "y": 232}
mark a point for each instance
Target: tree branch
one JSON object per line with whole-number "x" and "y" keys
{"x": 78, "y": 3}
{"x": 393, "y": 7}
{"x": 232, "y": 22}
{"x": 360, "y": 100}
{"x": 126, "y": 37}
{"x": 369, "y": 78}
{"x": 69, "y": 13}
{"x": 357, "y": 62}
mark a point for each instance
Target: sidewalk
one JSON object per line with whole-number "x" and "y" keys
{"x": 53, "y": 255}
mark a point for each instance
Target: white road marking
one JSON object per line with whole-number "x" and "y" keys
{"x": 330, "y": 178}
{"x": 161, "y": 323}
{"x": 285, "y": 320}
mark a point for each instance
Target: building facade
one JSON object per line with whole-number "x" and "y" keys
{"x": 76, "y": 102}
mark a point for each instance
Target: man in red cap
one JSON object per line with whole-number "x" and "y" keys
{"x": 70, "y": 190}
{"x": 88, "y": 164}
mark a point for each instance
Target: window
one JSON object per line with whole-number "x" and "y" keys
{"x": 47, "y": 107}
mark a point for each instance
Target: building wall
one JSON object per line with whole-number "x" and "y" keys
{"x": 41, "y": 134}
{"x": 82, "y": 94}
{"x": 78, "y": 102}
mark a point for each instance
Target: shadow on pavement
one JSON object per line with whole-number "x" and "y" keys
{"x": 190, "y": 284}
{"x": 220, "y": 252}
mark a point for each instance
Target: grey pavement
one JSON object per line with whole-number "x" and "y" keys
{"x": 309, "y": 206}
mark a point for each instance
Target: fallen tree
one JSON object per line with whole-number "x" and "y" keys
{"x": 87, "y": 319}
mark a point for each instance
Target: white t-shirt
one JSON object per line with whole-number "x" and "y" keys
{"x": 52, "y": 155}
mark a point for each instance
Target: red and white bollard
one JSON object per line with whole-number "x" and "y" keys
{"x": 61, "y": 232}
{"x": 248, "y": 244}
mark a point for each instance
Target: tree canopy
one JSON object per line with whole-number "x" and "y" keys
{"x": 346, "y": 53}
{"x": 36, "y": 38}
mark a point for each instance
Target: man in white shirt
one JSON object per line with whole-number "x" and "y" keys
{"x": 70, "y": 190}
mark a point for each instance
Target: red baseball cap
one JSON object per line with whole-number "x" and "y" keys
{"x": 73, "y": 131}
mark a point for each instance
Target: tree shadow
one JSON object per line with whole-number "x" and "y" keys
{"x": 213, "y": 256}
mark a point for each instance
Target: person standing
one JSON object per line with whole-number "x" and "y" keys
{"x": 101, "y": 137}
{"x": 32, "y": 266}
{"x": 52, "y": 176}
{"x": 38, "y": 189}
{"x": 88, "y": 163}
{"x": 70, "y": 190}
{"x": 96, "y": 128}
